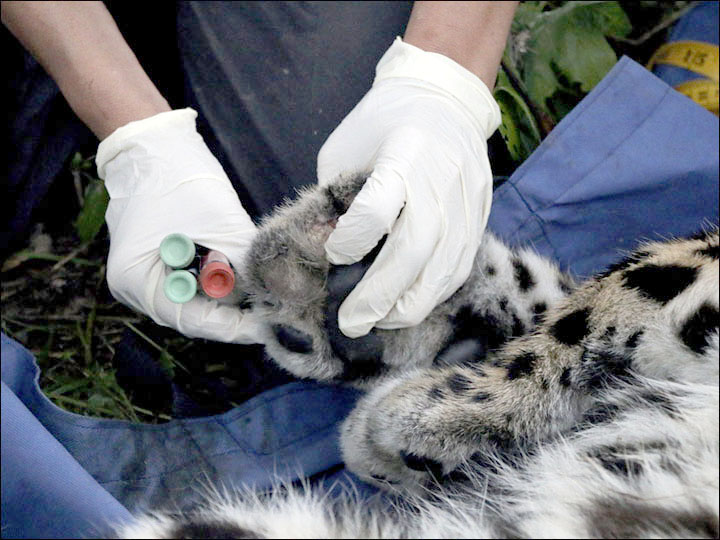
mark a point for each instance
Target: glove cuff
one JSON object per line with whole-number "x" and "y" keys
{"x": 113, "y": 144}
{"x": 155, "y": 154}
{"x": 405, "y": 60}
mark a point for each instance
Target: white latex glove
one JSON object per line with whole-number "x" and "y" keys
{"x": 420, "y": 133}
{"x": 162, "y": 178}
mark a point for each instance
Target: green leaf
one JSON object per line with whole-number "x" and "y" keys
{"x": 68, "y": 387}
{"x": 518, "y": 128}
{"x": 92, "y": 215}
{"x": 609, "y": 18}
{"x": 568, "y": 49}
{"x": 99, "y": 401}
{"x": 167, "y": 362}
{"x": 78, "y": 163}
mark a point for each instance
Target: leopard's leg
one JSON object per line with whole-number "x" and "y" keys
{"x": 414, "y": 429}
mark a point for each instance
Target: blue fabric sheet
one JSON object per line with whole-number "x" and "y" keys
{"x": 634, "y": 160}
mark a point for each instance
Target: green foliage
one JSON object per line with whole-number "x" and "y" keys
{"x": 567, "y": 48}
{"x": 94, "y": 199}
{"x": 518, "y": 128}
{"x": 92, "y": 216}
{"x": 558, "y": 51}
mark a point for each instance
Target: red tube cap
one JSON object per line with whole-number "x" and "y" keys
{"x": 217, "y": 279}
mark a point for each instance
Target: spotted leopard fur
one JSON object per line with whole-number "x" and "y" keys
{"x": 525, "y": 405}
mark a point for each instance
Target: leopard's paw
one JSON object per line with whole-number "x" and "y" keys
{"x": 398, "y": 435}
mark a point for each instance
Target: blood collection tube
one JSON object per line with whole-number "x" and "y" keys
{"x": 177, "y": 250}
{"x": 194, "y": 264}
{"x": 217, "y": 278}
{"x": 180, "y": 286}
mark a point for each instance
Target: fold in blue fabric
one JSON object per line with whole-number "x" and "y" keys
{"x": 634, "y": 160}
{"x": 82, "y": 467}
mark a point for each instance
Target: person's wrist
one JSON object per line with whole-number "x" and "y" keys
{"x": 445, "y": 44}
{"x": 105, "y": 109}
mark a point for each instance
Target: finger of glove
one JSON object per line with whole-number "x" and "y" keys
{"x": 370, "y": 217}
{"x": 200, "y": 317}
{"x": 206, "y": 209}
{"x": 397, "y": 266}
{"x": 205, "y": 318}
{"x": 353, "y": 144}
{"x": 451, "y": 263}
{"x": 445, "y": 273}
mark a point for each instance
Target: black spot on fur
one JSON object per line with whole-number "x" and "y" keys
{"x": 610, "y": 332}
{"x": 660, "y": 402}
{"x": 383, "y": 479}
{"x": 481, "y": 396}
{"x": 361, "y": 369}
{"x": 625, "y": 262}
{"x": 210, "y": 529}
{"x": 598, "y": 368}
{"x": 485, "y": 331}
{"x": 544, "y": 384}
{"x": 502, "y": 303}
{"x": 695, "y": 333}
{"x": 565, "y": 377}
{"x": 661, "y": 283}
{"x": 498, "y": 361}
{"x": 518, "y": 328}
{"x": 711, "y": 251}
{"x": 632, "y": 341}
{"x": 459, "y": 383}
{"x": 490, "y": 270}
{"x": 623, "y": 517}
{"x": 702, "y": 234}
{"x": 422, "y": 464}
{"x": 522, "y": 275}
{"x": 600, "y": 414}
{"x": 338, "y": 204}
{"x": 477, "y": 370}
{"x": 613, "y": 460}
{"x": 435, "y": 393}
{"x": 500, "y": 438}
{"x": 538, "y": 310}
{"x": 521, "y": 366}
{"x": 572, "y": 328}
{"x": 293, "y": 339}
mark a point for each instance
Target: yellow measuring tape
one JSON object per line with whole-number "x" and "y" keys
{"x": 705, "y": 93}
{"x": 698, "y": 57}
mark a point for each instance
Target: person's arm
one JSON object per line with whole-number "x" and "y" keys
{"x": 81, "y": 48}
{"x": 471, "y": 33}
{"x": 158, "y": 171}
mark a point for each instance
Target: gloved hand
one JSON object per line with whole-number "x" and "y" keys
{"x": 420, "y": 134}
{"x": 162, "y": 178}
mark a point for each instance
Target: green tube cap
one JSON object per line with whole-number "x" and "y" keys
{"x": 180, "y": 286}
{"x": 177, "y": 250}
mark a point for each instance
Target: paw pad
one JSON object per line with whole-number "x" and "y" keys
{"x": 293, "y": 339}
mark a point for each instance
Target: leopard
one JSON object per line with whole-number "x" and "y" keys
{"x": 527, "y": 404}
